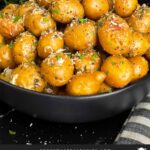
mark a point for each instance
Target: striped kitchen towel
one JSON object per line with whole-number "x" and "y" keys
{"x": 136, "y": 129}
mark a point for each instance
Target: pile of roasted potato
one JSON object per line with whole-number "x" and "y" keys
{"x": 74, "y": 47}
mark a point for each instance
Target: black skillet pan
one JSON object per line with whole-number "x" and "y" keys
{"x": 70, "y": 109}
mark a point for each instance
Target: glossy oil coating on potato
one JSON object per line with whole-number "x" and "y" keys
{"x": 57, "y": 69}
{"x": 64, "y": 11}
{"x": 1, "y": 39}
{"x": 27, "y": 76}
{"x": 11, "y": 25}
{"x": 6, "y": 58}
{"x": 140, "y": 19}
{"x": 139, "y": 45}
{"x": 24, "y": 48}
{"x": 114, "y": 34}
{"x": 38, "y": 21}
{"x": 26, "y": 7}
{"x": 125, "y": 8}
{"x": 119, "y": 71}
{"x": 85, "y": 84}
{"x": 44, "y": 3}
{"x": 81, "y": 34}
{"x": 94, "y": 9}
{"x": 50, "y": 42}
{"x": 140, "y": 67}
{"x": 88, "y": 61}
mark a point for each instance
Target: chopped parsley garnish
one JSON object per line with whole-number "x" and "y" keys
{"x": 11, "y": 44}
{"x": 58, "y": 57}
{"x": 45, "y": 19}
{"x": 81, "y": 56}
{"x": 83, "y": 20}
{"x": 16, "y": 19}
{"x": 1, "y": 14}
{"x": 94, "y": 57}
{"x": 113, "y": 63}
{"x": 55, "y": 11}
{"x": 100, "y": 23}
{"x": 11, "y": 132}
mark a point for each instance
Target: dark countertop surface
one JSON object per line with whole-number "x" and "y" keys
{"x": 16, "y": 127}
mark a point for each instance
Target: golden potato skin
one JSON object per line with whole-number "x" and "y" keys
{"x": 27, "y": 76}
{"x": 85, "y": 84}
{"x": 139, "y": 45}
{"x": 10, "y": 9}
{"x": 104, "y": 88}
{"x": 140, "y": 19}
{"x": 57, "y": 69}
{"x": 11, "y": 26}
{"x": 119, "y": 71}
{"x": 88, "y": 61}
{"x": 2, "y": 39}
{"x": 44, "y": 3}
{"x": 81, "y": 34}
{"x": 6, "y": 58}
{"x": 125, "y": 8}
{"x": 94, "y": 9}
{"x": 64, "y": 11}
{"x": 140, "y": 67}
{"x": 26, "y": 7}
{"x": 6, "y": 75}
{"x": 24, "y": 49}
{"x": 147, "y": 54}
{"x": 114, "y": 35}
{"x": 50, "y": 42}
{"x": 39, "y": 21}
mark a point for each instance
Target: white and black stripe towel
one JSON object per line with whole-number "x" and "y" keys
{"x": 136, "y": 129}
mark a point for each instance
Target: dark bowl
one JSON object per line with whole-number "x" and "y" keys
{"x": 72, "y": 109}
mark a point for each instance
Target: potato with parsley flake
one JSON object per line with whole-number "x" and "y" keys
{"x": 94, "y": 9}
{"x": 57, "y": 69}
{"x": 27, "y": 75}
{"x": 26, "y": 7}
{"x": 64, "y": 11}
{"x": 2, "y": 41}
{"x": 6, "y": 57}
{"x": 10, "y": 9}
{"x": 87, "y": 61}
{"x": 81, "y": 34}
{"x": 6, "y": 74}
{"x": 140, "y": 67}
{"x": 85, "y": 83}
{"x": 119, "y": 71}
{"x": 125, "y": 8}
{"x": 39, "y": 21}
{"x": 24, "y": 48}
{"x": 50, "y": 42}
{"x": 114, "y": 34}
{"x": 10, "y": 25}
{"x": 140, "y": 19}
{"x": 139, "y": 45}
{"x": 105, "y": 88}
{"x": 44, "y": 3}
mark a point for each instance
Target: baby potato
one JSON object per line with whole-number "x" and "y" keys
{"x": 64, "y": 11}
{"x": 125, "y": 8}
{"x": 140, "y": 67}
{"x": 57, "y": 69}
{"x": 6, "y": 58}
{"x": 10, "y": 9}
{"x": 50, "y": 42}
{"x": 11, "y": 26}
{"x": 44, "y": 3}
{"x": 119, "y": 71}
{"x": 6, "y": 75}
{"x": 81, "y": 34}
{"x": 88, "y": 61}
{"x": 114, "y": 34}
{"x": 26, "y": 7}
{"x": 1, "y": 39}
{"x": 39, "y": 21}
{"x": 85, "y": 84}
{"x": 94, "y": 9}
{"x": 27, "y": 76}
{"x": 139, "y": 45}
{"x": 140, "y": 19}
{"x": 104, "y": 88}
{"x": 24, "y": 49}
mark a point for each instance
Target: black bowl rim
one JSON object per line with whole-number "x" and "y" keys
{"x": 88, "y": 97}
